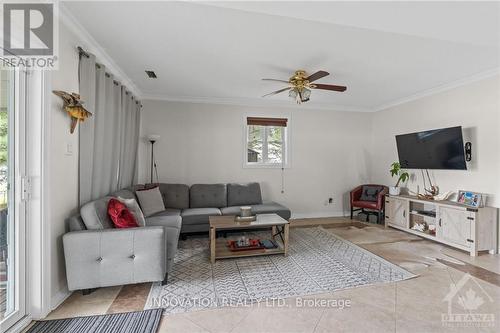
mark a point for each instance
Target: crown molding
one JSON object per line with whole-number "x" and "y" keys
{"x": 441, "y": 88}
{"x": 253, "y": 102}
{"x": 89, "y": 42}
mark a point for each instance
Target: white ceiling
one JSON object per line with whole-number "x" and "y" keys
{"x": 218, "y": 52}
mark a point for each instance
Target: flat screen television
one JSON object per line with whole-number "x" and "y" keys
{"x": 434, "y": 149}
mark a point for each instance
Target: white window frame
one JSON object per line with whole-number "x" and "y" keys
{"x": 266, "y": 165}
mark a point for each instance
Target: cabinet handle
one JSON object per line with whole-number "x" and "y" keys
{"x": 439, "y": 222}
{"x": 404, "y": 213}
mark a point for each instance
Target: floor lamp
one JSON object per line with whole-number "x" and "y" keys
{"x": 153, "y": 138}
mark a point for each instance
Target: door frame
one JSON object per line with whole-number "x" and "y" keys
{"x": 15, "y": 195}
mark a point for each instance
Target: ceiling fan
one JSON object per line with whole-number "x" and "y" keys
{"x": 300, "y": 85}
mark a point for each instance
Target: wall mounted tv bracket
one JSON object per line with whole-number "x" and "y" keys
{"x": 468, "y": 151}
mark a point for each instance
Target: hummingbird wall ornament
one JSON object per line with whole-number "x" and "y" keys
{"x": 74, "y": 107}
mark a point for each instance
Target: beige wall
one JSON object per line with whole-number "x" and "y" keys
{"x": 203, "y": 143}
{"x": 475, "y": 107}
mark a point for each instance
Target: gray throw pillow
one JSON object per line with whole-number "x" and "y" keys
{"x": 151, "y": 201}
{"x": 370, "y": 193}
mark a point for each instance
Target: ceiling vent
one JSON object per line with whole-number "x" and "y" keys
{"x": 151, "y": 74}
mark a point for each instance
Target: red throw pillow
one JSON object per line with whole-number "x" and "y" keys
{"x": 121, "y": 215}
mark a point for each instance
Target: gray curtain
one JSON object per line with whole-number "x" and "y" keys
{"x": 108, "y": 139}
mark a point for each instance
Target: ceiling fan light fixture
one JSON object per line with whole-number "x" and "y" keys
{"x": 293, "y": 93}
{"x": 306, "y": 93}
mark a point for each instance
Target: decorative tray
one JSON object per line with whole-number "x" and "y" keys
{"x": 254, "y": 244}
{"x": 245, "y": 219}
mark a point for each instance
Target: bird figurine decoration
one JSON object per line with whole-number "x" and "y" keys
{"x": 74, "y": 107}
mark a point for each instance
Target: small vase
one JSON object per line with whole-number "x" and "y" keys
{"x": 394, "y": 190}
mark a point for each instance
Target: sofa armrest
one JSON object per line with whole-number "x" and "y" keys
{"x": 355, "y": 194}
{"x": 102, "y": 258}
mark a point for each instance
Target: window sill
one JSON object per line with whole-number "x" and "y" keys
{"x": 265, "y": 166}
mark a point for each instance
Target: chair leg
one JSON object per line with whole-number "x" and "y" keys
{"x": 367, "y": 216}
{"x": 352, "y": 212}
{"x": 379, "y": 217}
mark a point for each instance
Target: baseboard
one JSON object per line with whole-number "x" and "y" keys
{"x": 317, "y": 215}
{"x": 59, "y": 298}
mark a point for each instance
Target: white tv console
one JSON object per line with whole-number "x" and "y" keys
{"x": 465, "y": 228}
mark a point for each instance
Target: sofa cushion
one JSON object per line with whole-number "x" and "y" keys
{"x": 198, "y": 215}
{"x": 266, "y": 208}
{"x": 365, "y": 204}
{"x": 175, "y": 195}
{"x": 95, "y": 214}
{"x": 150, "y": 200}
{"x": 171, "y": 221}
{"x": 243, "y": 194}
{"x": 208, "y": 195}
{"x": 168, "y": 212}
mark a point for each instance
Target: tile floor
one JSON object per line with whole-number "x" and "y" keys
{"x": 415, "y": 305}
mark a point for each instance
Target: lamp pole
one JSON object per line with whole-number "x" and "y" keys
{"x": 152, "y": 158}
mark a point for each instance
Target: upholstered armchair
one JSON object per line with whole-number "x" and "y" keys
{"x": 369, "y": 199}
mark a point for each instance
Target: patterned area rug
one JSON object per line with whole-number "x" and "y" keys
{"x": 318, "y": 262}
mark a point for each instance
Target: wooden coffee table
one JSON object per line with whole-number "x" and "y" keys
{"x": 279, "y": 232}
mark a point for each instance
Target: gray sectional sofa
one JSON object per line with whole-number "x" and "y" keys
{"x": 196, "y": 203}
{"x": 98, "y": 255}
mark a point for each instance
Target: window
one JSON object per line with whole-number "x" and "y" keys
{"x": 266, "y": 142}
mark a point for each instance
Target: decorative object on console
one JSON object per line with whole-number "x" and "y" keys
{"x": 402, "y": 175}
{"x": 74, "y": 107}
{"x": 443, "y": 196}
{"x": 471, "y": 199}
{"x": 152, "y": 138}
{"x": 431, "y": 192}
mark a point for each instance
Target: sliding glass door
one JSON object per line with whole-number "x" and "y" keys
{"x": 12, "y": 205}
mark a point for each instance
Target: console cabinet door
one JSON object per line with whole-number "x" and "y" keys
{"x": 398, "y": 212}
{"x": 455, "y": 225}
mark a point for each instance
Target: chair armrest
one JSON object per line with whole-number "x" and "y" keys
{"x": 356, "y": 193}
{"x": 381, "y": 198}
{"x": 109, "y": 257}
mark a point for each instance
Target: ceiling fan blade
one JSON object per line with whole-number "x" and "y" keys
{"x": 329, "y": 87}
{"x": 276, "y": 80}
{"x": 316, "y": 76}
{"x": 277, "y": 91}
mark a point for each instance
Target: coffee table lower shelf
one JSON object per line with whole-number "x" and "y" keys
{"x": 222, "y": 251}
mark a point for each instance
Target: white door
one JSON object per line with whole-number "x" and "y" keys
{"x": 12, "y": 204}
{"x": 455, "y": 225}
{"x": 399, "y": 212}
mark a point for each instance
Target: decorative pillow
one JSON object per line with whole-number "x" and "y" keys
{"x": 120, "y": 214}
{"x": 370, "y": 193}
{"x": 134, "y": 208}
{"x": 150, "y": 200}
